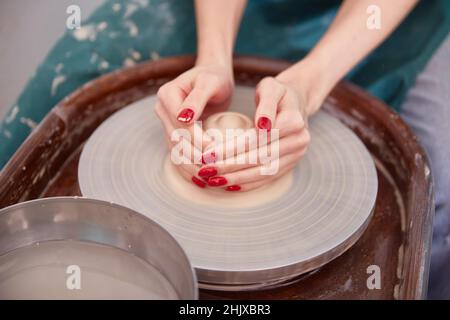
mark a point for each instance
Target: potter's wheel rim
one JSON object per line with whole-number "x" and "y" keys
{"x": 275, "y": 277}
{"x": 253, "y": 276}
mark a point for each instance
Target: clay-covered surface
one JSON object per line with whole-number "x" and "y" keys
{"x": 397, "y": 239}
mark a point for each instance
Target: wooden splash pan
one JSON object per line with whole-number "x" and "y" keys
{"x": 397, "y": 240}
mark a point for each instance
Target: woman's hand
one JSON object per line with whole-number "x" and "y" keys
{"x": 284, "y": 105}
{"x": 184, "y": 99}
{"x": 207, "y": 87}
{"x": 195, "y": 94}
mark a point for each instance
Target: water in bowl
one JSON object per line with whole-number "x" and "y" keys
{"x": 70, "y": 269}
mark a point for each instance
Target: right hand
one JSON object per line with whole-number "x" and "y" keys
{"x": 195, "y": 94}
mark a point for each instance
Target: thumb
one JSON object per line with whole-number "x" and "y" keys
{"x": 206, "y": 87}
{"x": 268, "y": 97}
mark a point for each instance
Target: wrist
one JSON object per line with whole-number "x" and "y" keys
{"x": 214, "y": 52}
{"x": 310, "y": 81}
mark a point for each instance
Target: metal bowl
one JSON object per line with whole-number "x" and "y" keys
{"x": 109, "y": 230}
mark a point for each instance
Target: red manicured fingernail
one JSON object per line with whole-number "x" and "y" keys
{"x": 207, "y": 172}
{"x": 198, "y": 182}
{"x": 209, "y": 158}
{"x": 233, "y": 188}
{"x": 217, "y": 181}
{"x": 264, "y": 123}
{"x": 186, "y": 115}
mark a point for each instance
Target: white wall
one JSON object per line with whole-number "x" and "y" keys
{"x": 28, "y": 29}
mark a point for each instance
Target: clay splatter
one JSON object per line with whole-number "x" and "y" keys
{"x": 397, "y": 292}
{"x": 397, "y": 193}
{"x": 12, "y": 114}
{"x": 135, "y": 55}
{"x": 94, "y": 58}
{"x": 165, "y": 12}
{"x": 103, "y": 65}
{"x": 57, "y": 81}
{"x": 116, "y": 7}
{"x": 142, "y": 3}
{"x": 7, "y": 134}
{"x": 129, "y": 62}
{"x": 154, "y": 55}
{"x": 132, "y": 28}
{"x": 130, "y": 9}
{"x": 29, "y": 123}
{"x": 347, "y": 285}
{"x": 59, "y": 67}
{"x": 86, "y": 32}
{"x": 427, "y": 171}
{"x": 102, "y": 26}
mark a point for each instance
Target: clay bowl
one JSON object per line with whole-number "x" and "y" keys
{"x": 104, "y": 240}
{"x": 397, "y": 239}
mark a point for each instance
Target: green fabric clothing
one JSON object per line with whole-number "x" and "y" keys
{"x": 121, "y": 33}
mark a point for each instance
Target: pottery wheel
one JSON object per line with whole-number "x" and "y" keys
{"x": 323, "y": 213}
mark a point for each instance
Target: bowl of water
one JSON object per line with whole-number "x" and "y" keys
{"x": 79, "y": 248}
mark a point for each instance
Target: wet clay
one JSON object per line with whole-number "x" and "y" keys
{"x": 217, "y": 197}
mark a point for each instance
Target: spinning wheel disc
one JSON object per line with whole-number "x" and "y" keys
{"x": 322, "y": 214}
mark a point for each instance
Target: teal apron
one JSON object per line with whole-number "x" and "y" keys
{"x": 121, "y": 33}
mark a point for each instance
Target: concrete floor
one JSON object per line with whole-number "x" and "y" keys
{"x": 28, "y": 29}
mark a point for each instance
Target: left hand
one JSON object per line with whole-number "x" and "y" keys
{"x": 281, "y": 106}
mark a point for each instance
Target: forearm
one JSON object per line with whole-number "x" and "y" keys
{"x": 345, "y": 44}
{"x": 217, "y": 26}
